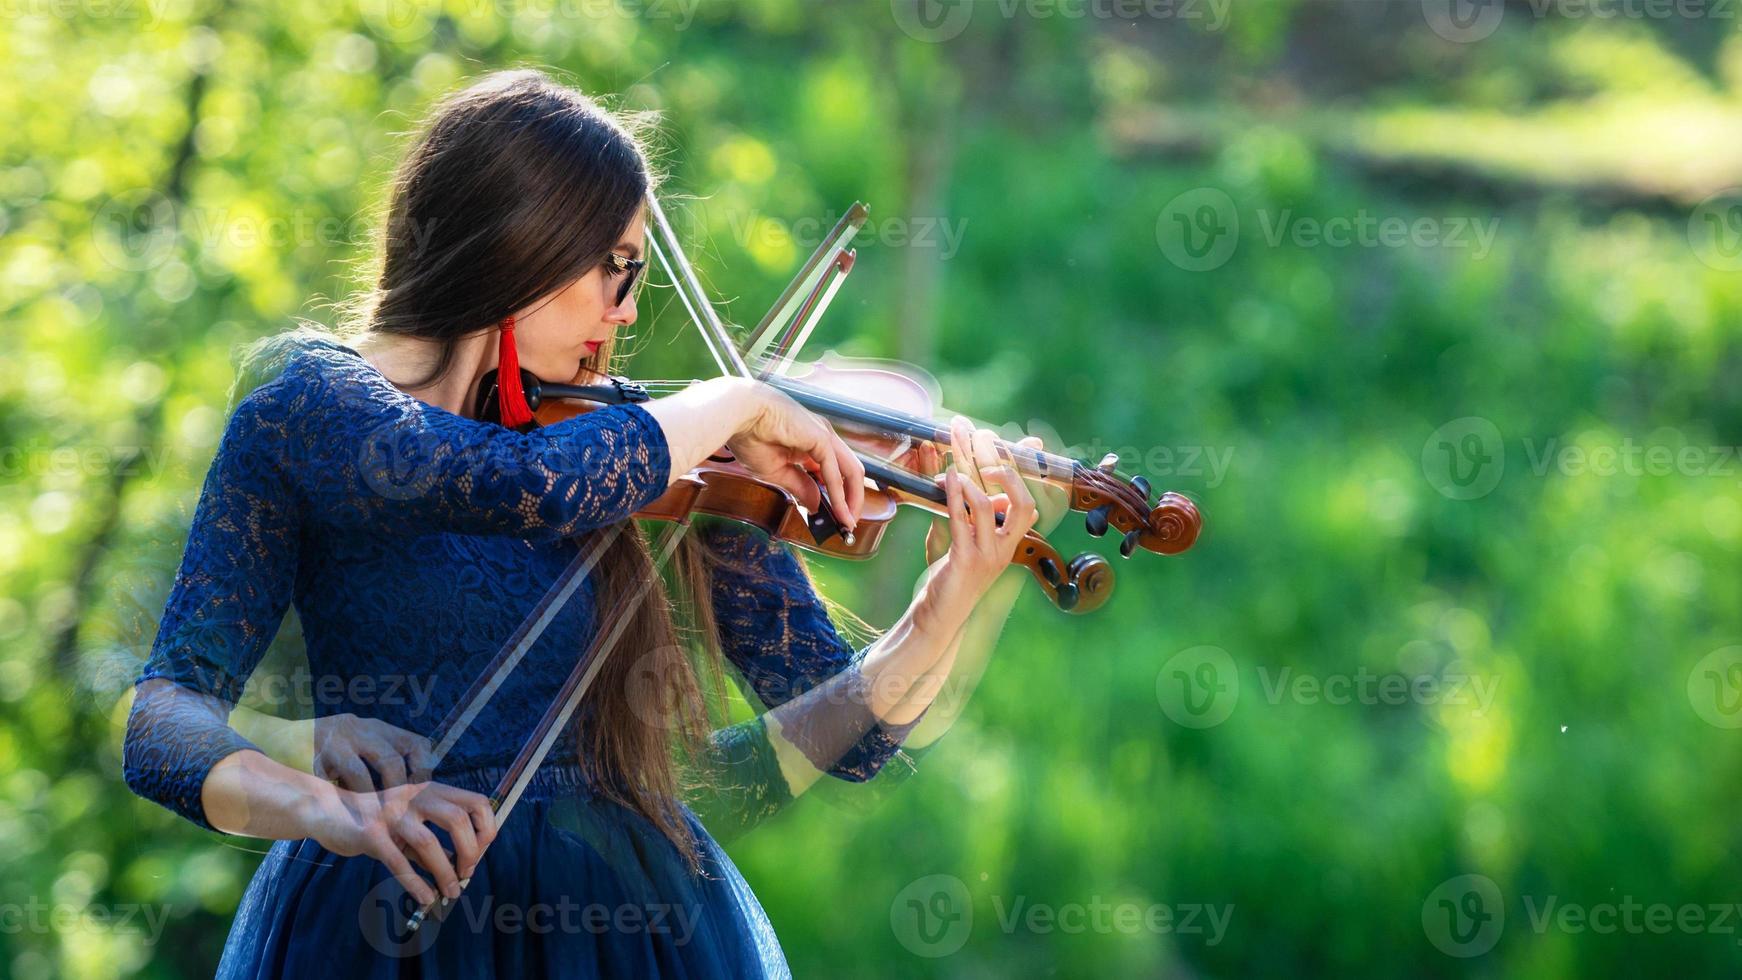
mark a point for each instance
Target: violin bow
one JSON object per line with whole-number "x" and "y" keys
{"x": 776, "y": 341}
{"x": 663, "y": 244}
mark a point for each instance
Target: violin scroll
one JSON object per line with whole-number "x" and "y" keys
{"x": 1170, "y": 527}
{"x": 1081, "y": 585}
{"x": 1174, "y": 524}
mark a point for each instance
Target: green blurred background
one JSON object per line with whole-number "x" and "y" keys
{"x": 1448, "y": 293}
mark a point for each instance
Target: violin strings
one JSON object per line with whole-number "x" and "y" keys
{"x": 1047, "y": 464}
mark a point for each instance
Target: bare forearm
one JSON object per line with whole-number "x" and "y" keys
{"x": 965, "y": 661}
{"x": 249, "y": 794}
{"x": 700, "y": 419}
{"x": 905, "y": 668}
{"x": 925, "y": 657}
{"x": 899, "y": 675}
{"x": 289, "y": 742}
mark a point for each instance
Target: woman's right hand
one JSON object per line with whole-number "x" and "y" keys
{"x": 392, "y": 827}
{"x": 774, "y": 437}
{"x": 782, "y": 436}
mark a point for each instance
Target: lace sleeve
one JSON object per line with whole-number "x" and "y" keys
{"x": 361, "y": 453}
{"x": 229, "y": 596}
{"x": 776, "y": 631}
{"x": 741, "y": 784}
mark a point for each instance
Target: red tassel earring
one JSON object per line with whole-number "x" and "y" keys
{"x": 511, "y": 404}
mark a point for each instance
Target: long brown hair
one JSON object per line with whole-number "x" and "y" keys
{"x": 515, "y": 187}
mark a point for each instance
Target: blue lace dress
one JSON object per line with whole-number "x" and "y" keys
{"x": 412, "y": 541}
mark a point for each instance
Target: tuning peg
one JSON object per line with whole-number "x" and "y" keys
{"x": 1049, "y": 570}
{"x": 1142, "y": 487}
{"x": 1067, "y": 596}
{"x": 1096, "y": 521}
{"x": 1108, "y": 463}
{"x": 1129, "y": 544}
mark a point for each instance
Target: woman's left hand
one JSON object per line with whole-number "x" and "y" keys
{"x": 349, "y": 747}
{"x": 979, "y": 548}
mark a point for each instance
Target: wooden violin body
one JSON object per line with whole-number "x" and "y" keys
{"x": 885, "y": 415}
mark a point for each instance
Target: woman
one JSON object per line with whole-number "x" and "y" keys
{"x": 414, "y": 537}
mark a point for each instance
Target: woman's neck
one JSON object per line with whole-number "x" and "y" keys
{"x": 403, "y": 359}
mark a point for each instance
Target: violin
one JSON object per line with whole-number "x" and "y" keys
{"x": 887, "y": 417}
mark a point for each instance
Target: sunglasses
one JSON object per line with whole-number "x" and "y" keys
{"x": 629, "y": 269}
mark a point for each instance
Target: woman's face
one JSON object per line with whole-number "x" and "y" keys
{"x": 557, "y": 336}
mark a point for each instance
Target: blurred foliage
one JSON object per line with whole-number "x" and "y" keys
{"x": 180, "y": 177}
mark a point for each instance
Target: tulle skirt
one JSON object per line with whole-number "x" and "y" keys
{"x": 574, "y": 886}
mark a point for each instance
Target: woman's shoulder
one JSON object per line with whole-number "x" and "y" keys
{"x": 303, "y": 391}
{"x": 309, "y": 376}
{"x": 295, "y": 360}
